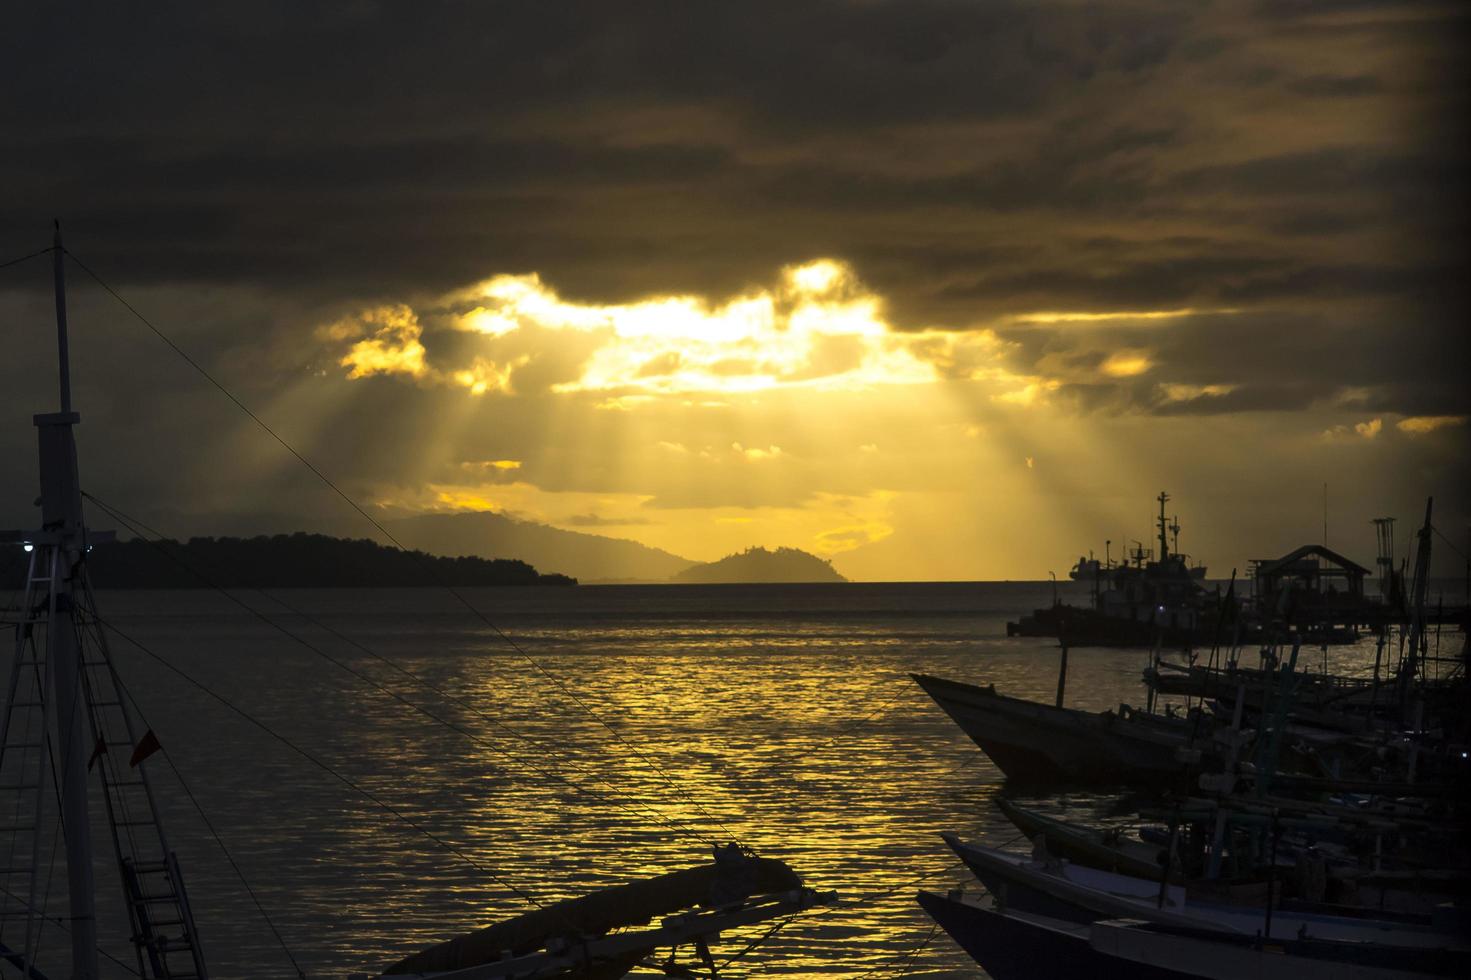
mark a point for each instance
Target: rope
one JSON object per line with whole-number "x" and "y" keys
{"x": 324, "y": 766}
{"x": 916, "y": 951}
{"x": 27, "y": 258}
{"x": 1449, "y": 543}
{"x": 133, "y": 525}
{"x": 429, "y": 569}
{"x": 908, "y": 960}
{"x": 834, "y": 908}
{"x": 209, "y": 825}
{"x": 59, "y": 923}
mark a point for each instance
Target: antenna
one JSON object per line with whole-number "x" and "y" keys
{"x": 1325, "y": 513}
{"x": 1164, "y": 543}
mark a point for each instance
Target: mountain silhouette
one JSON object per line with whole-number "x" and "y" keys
{"x": 586, "y": 557}
{"x": 759, "y": 565}
{"x": 299, "y": 560}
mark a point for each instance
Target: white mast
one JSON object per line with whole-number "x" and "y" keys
{"x": 61, "y": 517}
{"x": 63, "y": 719}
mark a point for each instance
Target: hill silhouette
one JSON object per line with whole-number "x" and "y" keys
{"x": 759, "y": 565}
{"x": 288, "y": 561}
{"x": 586, "y": 557}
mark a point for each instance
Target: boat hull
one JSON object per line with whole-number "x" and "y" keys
{"x": 1207, "y": 956}
{"x": 1019, "y": 947}
{"x": 1039, "y": 743}
{"x": 1011, "y": 945}
{"x": 1089, "y": 848}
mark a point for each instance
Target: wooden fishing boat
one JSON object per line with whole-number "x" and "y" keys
{"x": 1041, "y": 743}
{"x": 1109, "y": 850}
{"x": 598, "y": 935}
{"x": 1208, "y": 955}
{"x": 1011, "y": 944}
{"x": 1059, "y": 889}
{"x": 1018, "y": 945}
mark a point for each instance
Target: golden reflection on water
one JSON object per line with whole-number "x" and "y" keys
{"x": 784, "y": 720}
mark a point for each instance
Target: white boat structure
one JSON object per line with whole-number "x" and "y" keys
{"x": 69, "y": 727}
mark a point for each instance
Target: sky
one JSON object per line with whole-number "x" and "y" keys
{"x": 936, "y": 289}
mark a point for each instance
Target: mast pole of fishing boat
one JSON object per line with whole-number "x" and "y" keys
{"x": 1164, "y": 542}
{"x": 61, "y": 515}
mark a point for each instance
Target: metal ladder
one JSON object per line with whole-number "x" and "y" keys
{"x": 25, "y": 772}
{"x": 162, "y": 922}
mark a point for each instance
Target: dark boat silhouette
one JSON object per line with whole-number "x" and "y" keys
{"x": 1040, "y": 743}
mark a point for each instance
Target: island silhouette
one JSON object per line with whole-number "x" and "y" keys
{"x": 755, "y": 565}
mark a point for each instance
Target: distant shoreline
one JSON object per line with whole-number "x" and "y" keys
{"x": 285, "y": 561}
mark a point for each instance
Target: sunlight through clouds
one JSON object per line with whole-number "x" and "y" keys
{"x": 388, "y": 342}
{"x": 817, "y": 327}
{"x": 1419, "y": 425}
{"x": 1126, "y": 364}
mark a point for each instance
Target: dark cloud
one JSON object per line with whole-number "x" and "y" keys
{"x": 363, "y": 147}
{"x": 250, "y": 172}
{"x": 1336, "y": 86}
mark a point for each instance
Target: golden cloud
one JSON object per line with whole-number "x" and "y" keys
{"x": 1052, "y": 318}
{"x": 388, "y": 342}
{"x": 837, "y": 540}
{"x": 817, "y": 326}
{"x": 1419, "y": 425}
{"x": 1172, "y": 392}
{"x": 1368, "y": 429}
{"x": 755, "y": 454}
{"x": 1126, "y": 364}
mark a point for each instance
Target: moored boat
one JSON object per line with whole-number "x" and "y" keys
{"x": 1108, "y": 850}
{"x": 1054, "y": 887}
{"x": 1041, "y": 743}
{"x": 1011, "y": 944}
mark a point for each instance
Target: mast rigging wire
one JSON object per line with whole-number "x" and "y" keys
{"x": 324, "y": 766}
{"x": 203, "y": 816}
{"x": 138, "y": 527}
{"x": 26, "y": 258}
{"x": 60, "y": 923}
{"x": 474, "y": 611}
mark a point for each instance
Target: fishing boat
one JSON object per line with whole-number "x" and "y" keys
{"x": 1088, "y": 569}
{"x": 1321, "y": 840}
{"x": 598, "y": 935}
{"x": 1033, "y": 742}
{"x": 1054, "y": 887}
{"x": 1011, "y": 944}
{"x": 1017, "y": 945}
{"x": 1108, "y": 850}
{"x": 1152, "y": 597}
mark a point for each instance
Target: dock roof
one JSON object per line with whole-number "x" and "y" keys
{"x": 1267, "y": 566}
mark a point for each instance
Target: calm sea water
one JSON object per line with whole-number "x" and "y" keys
{"x": 781, "y": 716}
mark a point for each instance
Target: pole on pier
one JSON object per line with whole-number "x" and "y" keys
{"x": 1062, "y": 671}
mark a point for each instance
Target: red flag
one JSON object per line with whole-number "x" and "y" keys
{"x": 147, "y": 745}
